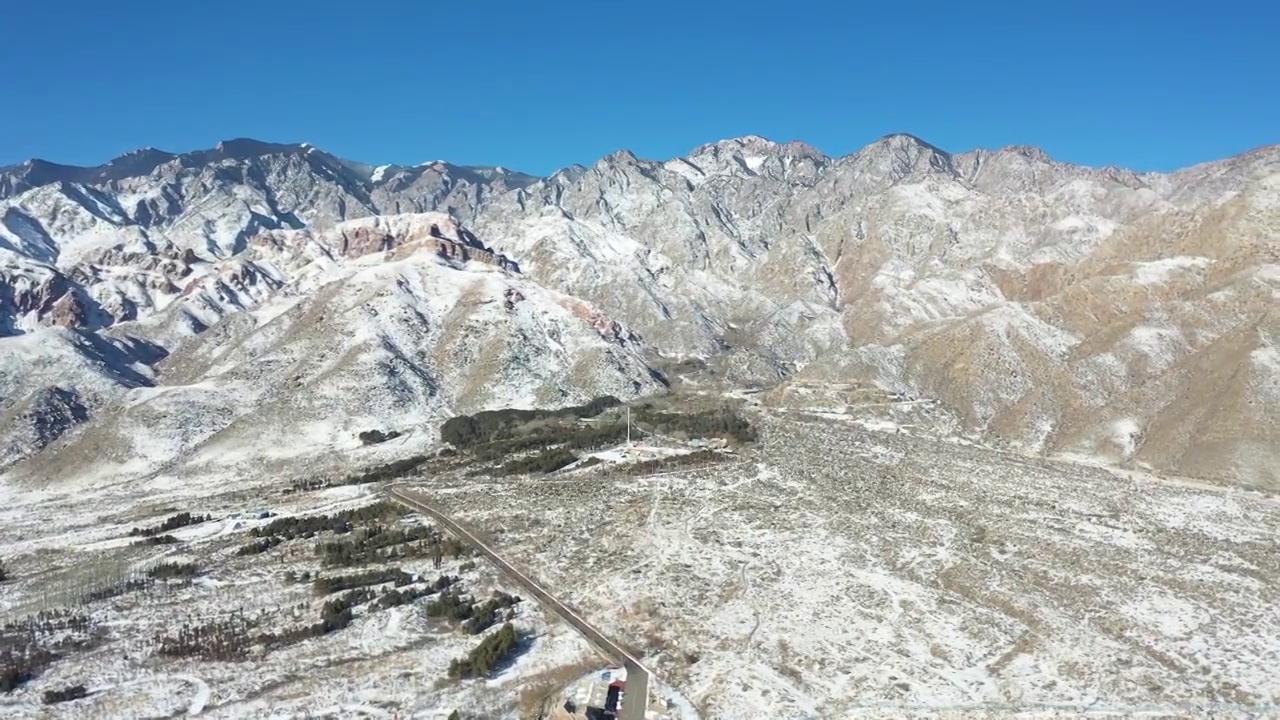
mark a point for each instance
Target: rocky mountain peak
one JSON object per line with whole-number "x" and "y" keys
{"x": 239, "y": 148}
{"x": 903, "y": 142}
{"x": 896, "y": 156}
{"x": 617, "y": 158}
{"x": 757, "y": 145}
{"x": 1030, "y": 152}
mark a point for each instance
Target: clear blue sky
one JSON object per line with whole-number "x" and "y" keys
{"x": 540, "y": 85}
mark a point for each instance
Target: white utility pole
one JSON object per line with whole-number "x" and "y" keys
{"x": 628, "y": 426}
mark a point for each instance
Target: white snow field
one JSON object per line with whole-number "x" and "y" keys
{"x": 842, "y": 573}
{"x": 840, "y": 569}
{"x": 388, "y": 663}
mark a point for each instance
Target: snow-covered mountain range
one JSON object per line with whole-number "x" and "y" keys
{"x": 194, "y": 300}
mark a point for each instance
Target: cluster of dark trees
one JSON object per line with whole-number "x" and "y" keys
{"x": 225, "y": 640}
{"x": 345, "y": 603}
{"x": 167, "y": 570}
{"x": 19, "y": 665}
{"x": 182, "y": 519}
{"x": 336, "y": 583}
{"x": 368, "y": 542}
{"x": 473, "y": 617}
{"x": 544, "y": 462}
{"x": 158, "y": 540}
{"x": 465, "y": 431}
{"x": 516, "y": 442}
{"x": 381, "y": 473}
{"x": 307, "y": 485}
{"x": 390, "y": 471}
{"x": 232, "y": 638}
{"x": 31, "y": 644}
{"x": 396, "y": 597}
{"x": 373, "y": 437}
{"x": 490, "y": 612}
{"x": 4, "y": 574}
{"x": 492, "y": 652}
{"x": 334, "y": 616}
{"x": 723, "y": 423}
{"x": 66, "y": 694}
{"x": 257, "y": 547}
{"x": 117, "y": 589}
{"x": 693, "y": 459}
{"x": 338, "y": 523}
{"x": 47, "y": 623}
{"x": 283, "y": 529}
{"x": 571, "y": 437}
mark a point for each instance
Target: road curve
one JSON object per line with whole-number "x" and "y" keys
{"x": 637, "y": 699}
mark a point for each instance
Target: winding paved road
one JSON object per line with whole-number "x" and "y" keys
{"x": 637, "y": 675}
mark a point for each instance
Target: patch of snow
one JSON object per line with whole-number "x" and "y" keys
{"x": 1268, "y": 356}
{"x": 1156, "y": 272}
{"x": 1013, "y": 319}
{"x": 1162, "y": 345}
{"x": 1126, "y": 433}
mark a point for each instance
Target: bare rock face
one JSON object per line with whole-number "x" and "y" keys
{"x": 1067, "y": 310}
{"x": 302, "y": 333}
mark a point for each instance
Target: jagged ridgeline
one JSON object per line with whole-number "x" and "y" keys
{"x": 1093, "y": 312}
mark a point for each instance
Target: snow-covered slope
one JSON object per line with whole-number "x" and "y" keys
{"x": 1066, "y": 309}
{"x": 301, "y": 341}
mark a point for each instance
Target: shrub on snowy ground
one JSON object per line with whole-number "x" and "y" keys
{"x": 61, "y": 695}
{"x": 158, "y": 540}
{"x": 4, "y": 574}
{"x": 180, "y": 520}
{"x": 373, "y": 437}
